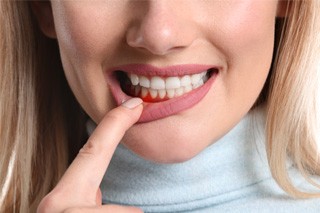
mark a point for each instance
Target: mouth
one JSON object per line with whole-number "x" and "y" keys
{"x": 165, "y": 91}
{"x": 153, "y": 89}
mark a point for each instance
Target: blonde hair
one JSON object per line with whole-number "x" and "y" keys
{"x": 39, "y": 136}
{"x": 293, "y": 109}
{"x": 41, "y": 124}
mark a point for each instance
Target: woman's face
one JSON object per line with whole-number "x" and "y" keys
{"x": 198, "y": 64}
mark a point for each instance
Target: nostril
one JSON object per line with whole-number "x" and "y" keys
{"x": 134, "y": 38}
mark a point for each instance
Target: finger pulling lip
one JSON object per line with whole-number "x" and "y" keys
{"x": 168, "y": 107}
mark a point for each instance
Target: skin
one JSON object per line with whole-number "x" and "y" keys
{"x": 78, "y": 191}
{"x": 94, "y": 36}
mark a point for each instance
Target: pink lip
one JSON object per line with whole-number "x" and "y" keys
{"x": 176, "y": 70}
{"x": 155, "y": 111}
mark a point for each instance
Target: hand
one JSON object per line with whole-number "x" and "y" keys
{"x": 78, "y": 190}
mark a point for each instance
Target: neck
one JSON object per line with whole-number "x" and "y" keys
{"x": 226, "y": 167}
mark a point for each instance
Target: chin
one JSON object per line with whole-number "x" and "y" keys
{"x": 176, "y": 145}
{"x": 162, "y": 154}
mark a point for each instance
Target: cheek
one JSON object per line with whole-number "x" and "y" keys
{"x": 247, "y": 30}
{"x": 82, "y": 30}
{"x": 82, "y": 34}
{"x": 246, "y": 37}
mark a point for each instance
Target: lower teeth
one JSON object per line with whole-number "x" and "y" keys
{"x": 152, "y": 95}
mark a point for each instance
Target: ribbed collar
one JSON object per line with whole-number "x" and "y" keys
{"x": 224, "y": 171}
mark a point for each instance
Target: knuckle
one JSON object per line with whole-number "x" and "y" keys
{"x": 89, "y": 148}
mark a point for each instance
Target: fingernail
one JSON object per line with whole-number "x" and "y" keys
{"x": 132, "y": 103}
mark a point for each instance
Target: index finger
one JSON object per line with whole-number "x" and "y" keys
{"x": 84, "y": 175}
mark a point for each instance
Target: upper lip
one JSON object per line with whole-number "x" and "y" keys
{"x": 175, "y": 70}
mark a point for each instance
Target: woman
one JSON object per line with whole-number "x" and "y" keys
{"x": 202, "y": 68}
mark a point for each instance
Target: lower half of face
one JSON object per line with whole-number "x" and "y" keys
{"x": 199, "y": 67}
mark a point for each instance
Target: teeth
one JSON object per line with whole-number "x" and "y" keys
{"x": 144, "y": 82}
{"x": 144, "y": 92}
{"x": 185, "y": 80}
{"x": 162, "y": 93}
{"x": 205, "y": 78}
{"x": 173, "y": 83}
{"x": 153, "y": 93}
{"x": 169, "y": 87}
{"x": 157, "y": 83}
{"x": 187, "y": 88}
{"x": 170, "y": 93}
{"x": 134, "y": 79}
{"x": 137, "y": 90}
{"x": 195, "y": 78}
{"x": 179, "y": 92}
{"x": 200, "y": 83}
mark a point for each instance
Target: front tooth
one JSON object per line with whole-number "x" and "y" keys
{"x": 134, "y": 79}
{"x": 179, "y": 91}
{"x": 157, "y": 83}
{"x": 144, "y": 92}
{"x": 162, "y": 93}
{"x": 172, "y": 83}
{"x": 153, "y": 93}
{"x": 195, "y": 78}
{"x": 144, "y": 81}
{"x": 185, "y": 80}
{"x": 170, "y": 93}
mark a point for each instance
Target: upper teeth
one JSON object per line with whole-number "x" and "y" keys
{"x": 174, "y": 82}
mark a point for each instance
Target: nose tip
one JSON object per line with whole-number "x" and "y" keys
{"x": 160, "y": 31}
{"x": 157, "y": 42}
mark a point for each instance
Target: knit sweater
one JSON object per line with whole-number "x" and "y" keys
{"x": 231, "y": 175}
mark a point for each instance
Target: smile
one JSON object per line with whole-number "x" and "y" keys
{"x": 156, "y": 88}
{"x": 165, "y": 91}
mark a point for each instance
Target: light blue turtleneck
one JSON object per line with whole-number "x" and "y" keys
{"x": 232, "y": 175}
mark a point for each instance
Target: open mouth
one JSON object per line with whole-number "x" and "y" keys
{"x": 166, "y": 91}
{"x": 154, "y": 89}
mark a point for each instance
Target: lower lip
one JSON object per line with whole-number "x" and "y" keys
{"x": 158, "y": 110}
